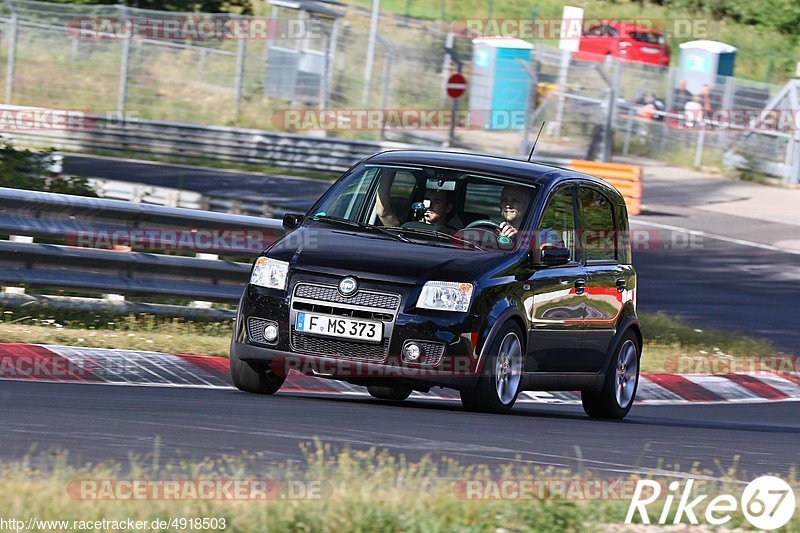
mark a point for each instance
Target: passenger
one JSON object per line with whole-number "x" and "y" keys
{"x": 438, "y": 206}
{"x": 383, "y": 200}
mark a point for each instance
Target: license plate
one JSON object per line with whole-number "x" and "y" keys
{"x": 648, "y": 50}
{"x": 336, "y": 326}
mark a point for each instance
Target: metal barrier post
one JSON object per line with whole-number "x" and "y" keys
{"x": 794, "y": 173}
{"x": 628, "y": 130}
{"x": 239, "y": 82}
{"x": 387, "y": 76}
{"x": 12, "y": 55}
{"x": 563, "y": 73}
{"x": 17, "y": 238}
{"x": 373, "y": 32}
{"x": 532, "y": 71}
{"x": 448, "y": 44}
{"x": 451, "y": 136}
{"x": 122, "y": 93}
{"x": 701, "y": 139}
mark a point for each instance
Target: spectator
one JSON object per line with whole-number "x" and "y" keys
{"x": 693, "y": 112}
{"x": 705, "y": 92}
{"x": 682, "y": 96}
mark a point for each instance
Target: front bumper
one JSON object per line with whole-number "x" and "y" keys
{"x": 456, "y": 332}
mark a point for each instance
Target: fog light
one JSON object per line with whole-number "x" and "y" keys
{"x": 271, "y": 333}
{"x": 412, "y": 352}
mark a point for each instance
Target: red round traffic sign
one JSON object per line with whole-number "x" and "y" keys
{"x": 456, "y": 85}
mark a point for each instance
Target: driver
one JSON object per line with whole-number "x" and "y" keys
{"x": 514, "y": 201}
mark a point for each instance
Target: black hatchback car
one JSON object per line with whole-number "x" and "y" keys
{"x": 417, "y": 269}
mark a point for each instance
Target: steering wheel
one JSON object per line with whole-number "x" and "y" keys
{"x": 494, "y": 226}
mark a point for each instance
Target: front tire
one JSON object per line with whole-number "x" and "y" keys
{"x": 499, "y": 384}
{"x": 395, "y": 394}
{"x": 254, "y": 376}
{"x": 616, "y": 398}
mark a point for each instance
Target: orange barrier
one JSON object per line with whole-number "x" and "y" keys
{"x": 627, "y": 179}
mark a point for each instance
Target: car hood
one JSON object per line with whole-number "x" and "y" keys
{"x": 342, "y": 251}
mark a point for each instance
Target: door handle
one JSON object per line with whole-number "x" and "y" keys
{"x": 621, "y": 283}
{"x": 580, "y": 286}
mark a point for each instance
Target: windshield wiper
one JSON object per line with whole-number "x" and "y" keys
{"x": 360, "y": 225}
{"x": 340, "y": 220}
{"x": 437, "y": 233}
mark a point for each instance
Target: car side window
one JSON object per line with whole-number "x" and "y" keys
{"x": 402, "y": 192}
{"x": 557, "y": 226}
{"x": 598, "y": 237}
{"x": 595, "y": 31}
{"x": 609, "y": 31}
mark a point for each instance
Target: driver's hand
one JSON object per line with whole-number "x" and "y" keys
{"x": 507, "y": 230}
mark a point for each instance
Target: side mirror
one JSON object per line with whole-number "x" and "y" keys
{"x": 555, "y": 255}
{"x": 292, "y": 220}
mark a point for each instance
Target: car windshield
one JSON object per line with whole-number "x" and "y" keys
{"x": 431, "y": 205}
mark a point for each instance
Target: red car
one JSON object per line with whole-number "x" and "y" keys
{"x": 608, "y": 39}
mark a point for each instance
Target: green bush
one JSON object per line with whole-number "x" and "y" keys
{"x": 28, "y": 170}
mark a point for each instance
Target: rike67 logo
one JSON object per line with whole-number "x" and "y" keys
{"x": 767, "y": 502}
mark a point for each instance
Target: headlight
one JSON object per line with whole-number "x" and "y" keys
{"x": 270, "y": 273}
{"x": 446, "y": 296}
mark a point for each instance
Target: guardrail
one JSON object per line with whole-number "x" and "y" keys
{"x": 92, "y": 242}
{"x": 199, "y": 142}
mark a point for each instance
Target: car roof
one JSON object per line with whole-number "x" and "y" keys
{"x": 479, "y": 163}
{"x": 517, "y": 169}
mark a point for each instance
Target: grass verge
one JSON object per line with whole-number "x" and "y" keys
{"x": 666, "y": 338}
{"x": 133, "y": 332}
{"x": 346, "y": 491}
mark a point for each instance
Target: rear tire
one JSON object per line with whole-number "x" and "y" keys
{"x": 395, "y": 394}
{"x": 499, "y": 384}
{"x": 616, "y": 398}
{"x": 254, "y": 376}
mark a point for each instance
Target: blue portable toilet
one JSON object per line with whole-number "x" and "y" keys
{"x": 498, "y": 96}
{"x": 702, "y": 61}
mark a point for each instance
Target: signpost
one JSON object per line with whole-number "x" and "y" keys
{"x": 456, "y": 86}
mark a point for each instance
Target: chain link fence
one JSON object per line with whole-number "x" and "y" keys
{"x": 322, "y": 67}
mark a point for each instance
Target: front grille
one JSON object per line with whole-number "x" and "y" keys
{"x": 433, "y": 352}
{"x": 255, "y": 329}
{"x": 325, "y": 293}
{"x": 342, "y": 349}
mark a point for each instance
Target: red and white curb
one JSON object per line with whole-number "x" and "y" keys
{"x": 33, "y": 362}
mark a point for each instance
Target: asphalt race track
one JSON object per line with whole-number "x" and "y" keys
{"x": 723, "y": 285}
{"x": 97, "y": 422}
